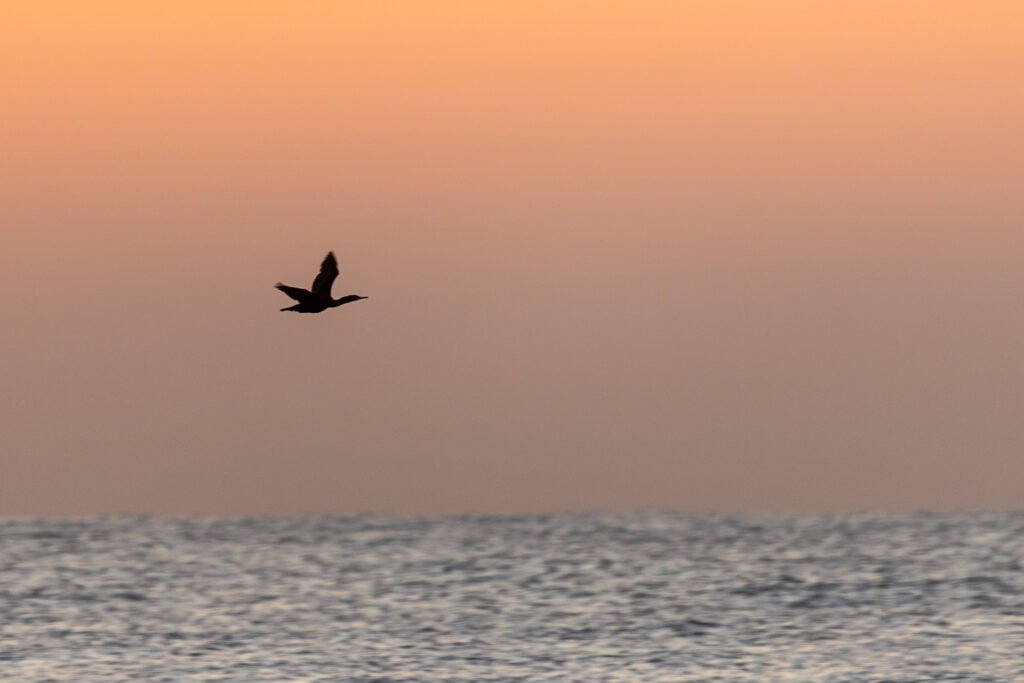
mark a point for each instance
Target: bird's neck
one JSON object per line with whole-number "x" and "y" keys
{"x": 344, "y": 300}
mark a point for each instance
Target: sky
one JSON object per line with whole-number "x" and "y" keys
{"x": 695, "y": 255}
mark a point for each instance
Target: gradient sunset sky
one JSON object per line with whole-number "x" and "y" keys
{"x": 623, "y": 255}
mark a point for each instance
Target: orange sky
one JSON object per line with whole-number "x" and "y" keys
{"x": 697, "y": 255}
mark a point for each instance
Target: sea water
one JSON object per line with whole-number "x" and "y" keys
{"x": 643, "y": 597}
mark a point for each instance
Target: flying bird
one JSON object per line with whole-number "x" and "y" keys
{"x": 318, "y": 297}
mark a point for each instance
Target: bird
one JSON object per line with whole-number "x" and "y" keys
{"x": 318, "y": 297}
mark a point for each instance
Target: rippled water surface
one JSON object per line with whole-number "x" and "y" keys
{"x": 574, "y": 598}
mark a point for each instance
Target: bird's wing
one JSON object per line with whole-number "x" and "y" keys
{"x": 328, "y": 272}
{"x": 296, "y": 293}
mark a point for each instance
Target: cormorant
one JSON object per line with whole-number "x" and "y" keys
{"x": 319, "y": 299}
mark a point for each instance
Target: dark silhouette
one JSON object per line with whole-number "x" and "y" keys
{"x": 319, "y": 299}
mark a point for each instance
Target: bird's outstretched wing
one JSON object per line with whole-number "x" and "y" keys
{"x": 296, "y": 293}
{"x": 328, "y": 272}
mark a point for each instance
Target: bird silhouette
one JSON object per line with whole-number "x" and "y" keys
{"x": 318, "y": 297}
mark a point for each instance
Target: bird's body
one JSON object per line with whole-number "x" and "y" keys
{"x": 318, "y": 298}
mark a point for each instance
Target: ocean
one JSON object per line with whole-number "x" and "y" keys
{"x": 640, "y": 597}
